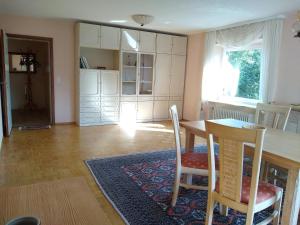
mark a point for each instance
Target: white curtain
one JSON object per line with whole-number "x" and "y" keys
{"x": 271, "y": 47}
{"x": 238, "y": 38}
{"x": 211, "y": 66}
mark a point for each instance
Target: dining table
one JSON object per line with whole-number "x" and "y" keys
{"x": 281, "y": 148}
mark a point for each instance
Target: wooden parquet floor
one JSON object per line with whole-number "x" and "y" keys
{"x": 32, "y": 156}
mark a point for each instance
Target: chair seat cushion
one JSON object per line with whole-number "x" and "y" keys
{"x": 196, "y": 160}
{"x": 265, "y": 191}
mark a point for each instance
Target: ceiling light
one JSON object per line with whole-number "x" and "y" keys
{"x": 296, "y": 26}
{"x": 118, "y": 21}
{"x": 142, "y": 19}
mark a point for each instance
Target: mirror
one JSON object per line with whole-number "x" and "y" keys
{"x": 22, "y": 62}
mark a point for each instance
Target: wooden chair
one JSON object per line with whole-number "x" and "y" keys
{"x": 232, "y": 189}
{"x": 273, "y": 116}
{"x": 187, "y": 163}
{"x": 276, "y": 117}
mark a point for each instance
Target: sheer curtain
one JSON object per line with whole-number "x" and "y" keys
{"x": 211, "y": 70}
{"x": 271, "y": 48}
{"x": 238, "y": 38}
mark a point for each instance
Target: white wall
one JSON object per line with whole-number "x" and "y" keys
{"x": 288, "y": 84}
{"x": 192, "y": 93}
{"x": 63, "y": 34}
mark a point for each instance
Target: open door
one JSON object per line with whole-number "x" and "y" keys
{"x": 5, "y": 85}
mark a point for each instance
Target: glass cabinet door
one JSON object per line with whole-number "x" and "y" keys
{"x": 129, "y": 73}
{"x": 146, "y": 74}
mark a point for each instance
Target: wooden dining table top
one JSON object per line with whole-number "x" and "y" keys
{"x": 282, "y": 145}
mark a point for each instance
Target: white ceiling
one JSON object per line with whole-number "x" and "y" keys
{"x": 181, "y": 16}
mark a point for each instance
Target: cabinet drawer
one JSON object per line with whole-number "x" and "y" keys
{"x": 128, "y": 99}
{"x": 110, "y": 99}
{"x": 176, "y": 98}
{"x": 89, "y": 99}
{"x": 112, "y": 103}
{"x": 90, "y": 115}
{"x": 110, "y": 116}
{"x": 146, "y": 98}
{"x": 110, "y": 109}
{"x": 89, "y": 104}
{"x": 90, "y": 109}
{"x": 161, "y": 98}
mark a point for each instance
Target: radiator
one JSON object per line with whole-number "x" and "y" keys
{"x": 219, "y": 110}
{"x": 223, "y": 111}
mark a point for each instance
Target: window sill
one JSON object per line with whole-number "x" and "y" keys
{"x": 238, "y": 102}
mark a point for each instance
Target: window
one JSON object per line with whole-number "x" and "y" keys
{"x": 242, "y": 74}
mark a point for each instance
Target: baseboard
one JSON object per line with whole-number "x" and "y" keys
{"x": 65, "y": 123}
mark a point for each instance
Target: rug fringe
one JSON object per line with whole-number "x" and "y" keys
{"x": 105, "y": 194}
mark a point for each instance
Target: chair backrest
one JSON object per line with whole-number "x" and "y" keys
{"x": 231, "y": 154}
{"x": 273, "y": 116}
{"x": 176, "y": 127}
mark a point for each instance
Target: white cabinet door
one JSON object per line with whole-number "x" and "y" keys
{"x": 89, "y": 82}
{"x": 162, "y": 76}
{"x": 177, "y": 76}
{"x": 147, "y": 41}
{"x": 164, "y": 43}
{"x": 161, "y": 110}
{"x": 128, "y": 111}
{"x": 110, "y": 38}
{"x": 178, "y": 65}
{"x": 179, "y": 45}
{"x": 177, "y": 86}
{"x": 130, "y": 40}
{"x": 89, "y": 35}
{"x": 179, "y": 107}
{"x": 145, "y": 111}
{"x": 109, "y": 83}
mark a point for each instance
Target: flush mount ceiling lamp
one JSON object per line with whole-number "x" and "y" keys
{"x": 296, "y": 26}
{"x": 142, "y": 19}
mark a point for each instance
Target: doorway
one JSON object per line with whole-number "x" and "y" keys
{"x": 31, "y": 81}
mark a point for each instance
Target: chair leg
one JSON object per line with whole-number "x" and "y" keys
{"x": 277, "y": 207}
{"x": 223, "y": 210}
{"x": 209, "y": 210}
{"x": 188, "y": 179}
{"x": 275, "y": 175}
{"x": 250, "y": 217}
{"x": 176, "y": 188}
{"x": 265, "y": 171}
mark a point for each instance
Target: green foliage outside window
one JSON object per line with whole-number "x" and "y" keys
{"x": 248, "y": 63}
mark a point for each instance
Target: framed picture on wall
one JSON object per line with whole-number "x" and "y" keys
{"x": 22, "y": 62}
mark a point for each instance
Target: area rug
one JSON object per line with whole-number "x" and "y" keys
{"x": 139, "y": 187}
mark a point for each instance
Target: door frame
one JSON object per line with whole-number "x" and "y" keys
{"x": 6, "y": 131}
{"x": 50, "y": 42}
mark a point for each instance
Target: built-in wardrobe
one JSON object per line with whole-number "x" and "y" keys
{"x": 126, "y": 74}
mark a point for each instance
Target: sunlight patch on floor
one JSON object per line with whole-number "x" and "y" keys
{"x": 130, "y": 127}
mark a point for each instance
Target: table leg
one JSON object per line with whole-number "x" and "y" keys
{"x": 189, "y": 146}
{"x": 189, "y": 141}
{"x": 292, "y": 198}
